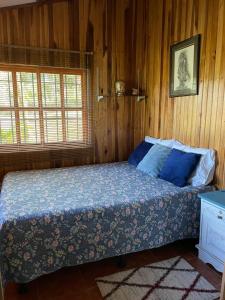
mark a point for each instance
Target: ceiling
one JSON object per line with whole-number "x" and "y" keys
{"x": 5, "y": 3}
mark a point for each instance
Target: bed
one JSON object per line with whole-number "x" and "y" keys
{"x": 64, "y": 217}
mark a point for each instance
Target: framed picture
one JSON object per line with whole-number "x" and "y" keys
{"x": 184, "y": 67}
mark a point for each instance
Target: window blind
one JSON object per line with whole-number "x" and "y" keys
{"x": 44, "y": 108}
{"x": 46, "y": 57}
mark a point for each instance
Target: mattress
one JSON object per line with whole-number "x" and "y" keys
{"x": 69, "y": 216}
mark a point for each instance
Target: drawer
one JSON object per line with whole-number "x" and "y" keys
{"x": 213, "y": 212}
{"x": 212, "y": 236}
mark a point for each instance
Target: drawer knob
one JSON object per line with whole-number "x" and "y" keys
{"x": 220, "y": 217}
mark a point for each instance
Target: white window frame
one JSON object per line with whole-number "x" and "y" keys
{"x": 85, "y": 115}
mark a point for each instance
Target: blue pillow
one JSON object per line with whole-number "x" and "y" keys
{"x": 140, "y": 151}
{"x": 154, "y": 160}
{"x": 179, "y": 166}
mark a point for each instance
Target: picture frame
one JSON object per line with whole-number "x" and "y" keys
{"x": 184, "y": 67}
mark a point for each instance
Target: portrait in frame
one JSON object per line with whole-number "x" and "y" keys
{"x": 184, "y": 67}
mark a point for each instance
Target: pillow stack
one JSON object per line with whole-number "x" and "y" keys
{"x": 174, "y": 162}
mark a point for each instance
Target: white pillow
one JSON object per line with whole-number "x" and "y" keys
{"x": 168, "y": 143}
{"x": 151, "y": 140}
{"x": 205, "y": 170}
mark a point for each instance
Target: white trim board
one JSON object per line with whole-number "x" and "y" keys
{"x": 5, "y": 3}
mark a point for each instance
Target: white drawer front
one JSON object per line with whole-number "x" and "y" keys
{"x": 213, "y": 230}
{"x": 214, "y": 212}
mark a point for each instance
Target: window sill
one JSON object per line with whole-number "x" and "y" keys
{"x": 41, "y": 148}
{"x": 46, "y": 157}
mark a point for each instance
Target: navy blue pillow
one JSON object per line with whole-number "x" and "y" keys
{"x": 139, "y": 152}
{"x": 179, "y": 166}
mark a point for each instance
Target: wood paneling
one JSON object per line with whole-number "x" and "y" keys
{"x": 107, "y": 28}
{"x": 195, "y": 120}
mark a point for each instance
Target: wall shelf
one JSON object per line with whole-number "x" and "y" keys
{"x": 101, "y": 97}
{"x": 139, "y": 97}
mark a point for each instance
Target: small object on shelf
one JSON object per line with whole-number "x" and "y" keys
{"x": 211, "y": 247}
{"x": 120, "y": 88}
{"x": 135, "y": 92}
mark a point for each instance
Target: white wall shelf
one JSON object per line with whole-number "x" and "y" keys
{"x": 138, "y": 97}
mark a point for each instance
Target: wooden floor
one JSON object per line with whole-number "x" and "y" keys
{"x": 78, "y": 283}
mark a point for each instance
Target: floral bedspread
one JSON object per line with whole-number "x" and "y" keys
{"x": 63, "y": 217}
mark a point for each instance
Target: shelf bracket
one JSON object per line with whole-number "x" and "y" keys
{"x": 100, "y": 98}
{"x": 140, "y": 98}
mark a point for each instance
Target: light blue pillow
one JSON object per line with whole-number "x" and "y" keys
{"x": 153, "y": 161}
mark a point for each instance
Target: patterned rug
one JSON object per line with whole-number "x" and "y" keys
{"x": 172, "y": 279}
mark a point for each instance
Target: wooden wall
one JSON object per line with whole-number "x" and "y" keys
{"x": 131, "y": 35}
{"x": 196, "y": 120}
{"x": 108, "y": 28}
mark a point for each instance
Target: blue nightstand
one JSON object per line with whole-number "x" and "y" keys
{"x": 212, "y": 229}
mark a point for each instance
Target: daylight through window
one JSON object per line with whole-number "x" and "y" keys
{"x": 42, "y": 106}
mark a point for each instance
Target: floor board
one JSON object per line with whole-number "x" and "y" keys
{"x": 78, "y": 283}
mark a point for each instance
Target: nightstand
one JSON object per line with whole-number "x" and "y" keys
{"x": 212, "y": 229}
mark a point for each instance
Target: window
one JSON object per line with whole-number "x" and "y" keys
{"x": 42, "y": 107}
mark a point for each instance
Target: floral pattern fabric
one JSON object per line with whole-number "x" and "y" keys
{"x": 64, "y": 217}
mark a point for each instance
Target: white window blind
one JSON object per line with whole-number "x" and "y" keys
{"x": 43, "y": 108}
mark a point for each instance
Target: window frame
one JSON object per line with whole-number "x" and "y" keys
{"x": 51, "y": 145}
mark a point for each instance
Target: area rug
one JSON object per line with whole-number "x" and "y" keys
{"x": 172, "y": 279}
